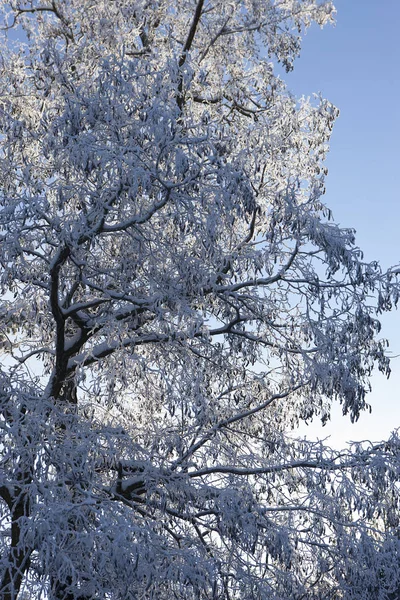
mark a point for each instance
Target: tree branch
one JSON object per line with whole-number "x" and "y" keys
{"x": 238, "y": 417}
{"x": 18, "y": 556}
{"x": 261, "y": 281}
{"x": 186, "y": 49}
{"x": 60, "y": 366}
{"x": 138, "y": 220}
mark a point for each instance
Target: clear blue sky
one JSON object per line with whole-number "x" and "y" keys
{"x": 356, "y": 65}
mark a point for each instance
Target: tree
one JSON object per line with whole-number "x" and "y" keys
{"x": 176, "y": 297}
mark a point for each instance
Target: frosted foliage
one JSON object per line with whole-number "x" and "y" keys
{"x": 175, "y": 299}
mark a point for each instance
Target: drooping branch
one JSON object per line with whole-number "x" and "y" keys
{"x": 140, "y": 219}
{"x": 260, "y": 281}
{"x": 239, "y": 416}
{"x": 328, "y": 465}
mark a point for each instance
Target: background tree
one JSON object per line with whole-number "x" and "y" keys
{"x": 175, "y": 296}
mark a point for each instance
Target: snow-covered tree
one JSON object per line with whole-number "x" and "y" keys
{"x": 175, "y": 297}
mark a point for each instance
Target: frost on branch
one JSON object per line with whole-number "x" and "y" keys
{"x": 175, "y": 296}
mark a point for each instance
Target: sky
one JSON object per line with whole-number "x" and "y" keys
{"x": 356, "y": 66}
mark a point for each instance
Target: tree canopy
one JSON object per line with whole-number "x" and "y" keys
{"x": 175, "y": 298}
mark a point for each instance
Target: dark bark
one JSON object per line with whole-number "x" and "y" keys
{"x": 186, "y": 49}
{"x": 19, "y": 554}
